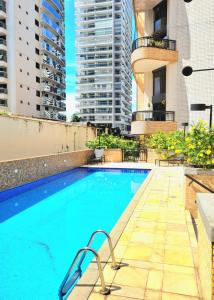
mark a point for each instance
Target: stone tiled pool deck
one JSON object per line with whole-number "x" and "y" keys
{"x": 158, "y": 249}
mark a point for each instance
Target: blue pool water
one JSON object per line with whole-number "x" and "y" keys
{"x": 44, "y": 223}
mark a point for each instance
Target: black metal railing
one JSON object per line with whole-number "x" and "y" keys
{"x": 3, "y": 41}
{"x": 207, "y": 188}
{"x": 3, "y": 24}
{"x": 135, "y": 155}
{"x": 153, "y": 115}
{"x": 154, "y": 42}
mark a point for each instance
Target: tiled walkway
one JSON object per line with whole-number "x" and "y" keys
{"x": 157, "y": 250}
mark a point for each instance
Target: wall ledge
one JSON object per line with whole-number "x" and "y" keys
{"x": 206, "y": 208}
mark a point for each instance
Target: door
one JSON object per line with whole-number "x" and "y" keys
{"x": 159, "y": 94}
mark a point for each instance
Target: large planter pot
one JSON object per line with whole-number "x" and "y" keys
{"x": 113, "y": 155}
{"x": 203, "y": 176}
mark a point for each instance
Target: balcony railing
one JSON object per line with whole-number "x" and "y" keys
{"x": 154, "y": 42}
{"x": 3, "y": 90}
{"x": 3, "y": 24}
{"x": 3, "y": 8}
{"x": 3, "y": 74}
{"x": 3, "y": 42}
{"x": 153, "y": 115}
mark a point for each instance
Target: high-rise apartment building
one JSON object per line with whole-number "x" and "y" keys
{"x": 172, "y": 34}
{"x": 103, "y": 45}
{"x": 32, "y": 60}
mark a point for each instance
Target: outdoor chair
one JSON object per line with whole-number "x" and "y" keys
{"x": 97, "y": 157}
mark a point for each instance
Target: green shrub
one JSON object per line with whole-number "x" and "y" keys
{"x": 4, "y": 113}
{"x": 107, "y": 141}
{"x": 197, "y": 147}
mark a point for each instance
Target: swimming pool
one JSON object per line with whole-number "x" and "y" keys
{"x": 44, "y": 223}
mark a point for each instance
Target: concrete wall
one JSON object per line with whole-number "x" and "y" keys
{"x": 205, "y": 177}
{"x": 150, "y": 127}
{"x": 21, "y": 171}
{"x": 206, "y": 244}
{"x": 205, "y": 261}
{"x": 26, "y": 137}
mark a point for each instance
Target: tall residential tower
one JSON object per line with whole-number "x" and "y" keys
{"x": 103, "y": 45}
{"x": 32, "y": 60}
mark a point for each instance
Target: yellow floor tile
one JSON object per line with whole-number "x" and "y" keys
{"x": 177, "y": 239}
{"x": 155, "y": 280}
{"x": 108, "y": 273}
{"x": 152, "y": 295}
{"x": 158, "y": 253}
{"x": 178, "y": 256}
{"x": 170, "y": 296}
{"x": 138, "y": 251}
{"x": 179, "y": 269}
{"x": 128, "y": 291}
{"x": 113, "y": 297}
{"x": 125, "y": 237}
{"x": 150, "y": 216}
{"x": 130, "y": 276}
{"x": 180, "y": 283}
{"x": 119, "y": 251}
{"x": 96, "y": 296}
{"x": 141, "y": 237}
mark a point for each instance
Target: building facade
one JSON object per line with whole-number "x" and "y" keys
{"x": 32, "y": 61}
{"x": 171, "y": 34}
{"x": 103, "y": 45}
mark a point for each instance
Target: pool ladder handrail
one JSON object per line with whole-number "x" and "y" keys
{"x": 66, "y": 285}
{"x": 114, "y": 265}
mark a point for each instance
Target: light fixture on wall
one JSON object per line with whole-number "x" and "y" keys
{"x": 202, "y": 107}
{"x": 187, "y": 1}
{"x": 187, "y": 71}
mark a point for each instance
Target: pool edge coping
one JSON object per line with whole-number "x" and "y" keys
{"x": 86, "y": 284}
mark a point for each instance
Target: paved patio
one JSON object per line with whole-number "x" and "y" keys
{"x": 157, "y": 250}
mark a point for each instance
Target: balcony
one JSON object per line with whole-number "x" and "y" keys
{"x": 2, "y": 10}
{"x": 54, "y": 103}
{"x": 150, "y": 122}
{"x": 3, "y": 44}
{"x": 144, "y": 5}
{"x": 3, "y": 28}
{"x": 3, "y": 77}
{"x": 150, "y": 53}
{"x": 3, "y": 93}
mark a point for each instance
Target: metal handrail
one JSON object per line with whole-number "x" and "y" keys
{"x": 114, "y": 266}
{"x": 154, "y": 42}
{"x": 66, "y": 285}
{"x": 153, "y": 115}
{"x": 199, "y": 183}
